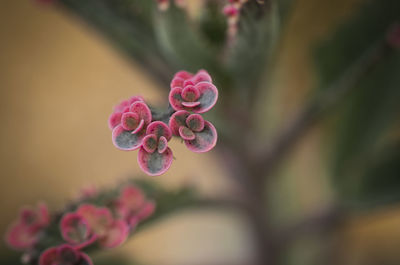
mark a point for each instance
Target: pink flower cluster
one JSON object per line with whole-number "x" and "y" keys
{"x": 232, "y": 13}
{"x": 107, "y": 227}
{"x": 133, "y": 126}
{"x": 24, "y": 232}
{"x": 190, "y": 96}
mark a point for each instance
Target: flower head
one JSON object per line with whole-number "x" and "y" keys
{"x": 155, "y": 157}
{"x": 133, "y": 206}
{"x": 192, "y": 92}
{"x": 64, "y": 255}
{"x": 23, "y": 233}
{"x": 128, "y": 122}
{"x": 199, "y": 135}
{"x": 90, "y": 224}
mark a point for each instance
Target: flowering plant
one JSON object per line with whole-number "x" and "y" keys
{"x": 271, "y": 125}
{"x": 103, "y": 220}
{"x": 134, "y": 126}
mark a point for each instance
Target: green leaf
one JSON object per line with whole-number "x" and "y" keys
{"x": 369, "y": 113}
{"x": 254, "y": 44}
{"x": 184, "y": 45}
{"x": 354, "y": 37}
{"x": 128, "y": 24}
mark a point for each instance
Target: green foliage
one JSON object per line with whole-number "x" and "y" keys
{"x": 128, "y": 24}
{"x": 363, "y": 167}
{"x": 213, "y": 25}
{"x": 184, "y": 45}
{"x": 369, "y": 25}
{"x": 249, "y": 54}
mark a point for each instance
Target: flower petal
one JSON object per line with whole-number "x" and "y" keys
{"x": 85, "y": 260}
{"x": 184, "y": 75}
{"x": 201, "y": 76}
{"x": 208, "y": 97}
{"x": 190, "y": 93}
{"x": 139, "y": 127}
{"x": 125, "y": 140}
{"x": 155, "y": 164}
{"x": 177, "y": 120}
{"x": 186, "y": 133}
{"x": 141, "y": 108}
{"x": 195, "y": 122}
{"x": 122, "y": 106}
{"x": 134, "y": 99}
{"x": 175, "y": 98}
{"x": 150, "y": 143}
{"x": 177, "y": 82}
{"x": 68, "y": 255}
{"x": 159, "y": 129}
{"x": 98, "y": 218}
{"x": 74, "y": 228}
{"x": 28, "y": 216}
{"x": 114, "y": 120}
{"x": 190, "y": 105}
{"x": 20, "y": 237}
{"x": 129, "y": 121}
{"x": 146, "y": 211}
{"x": 162, "y": 144}
{"x": 49, "y": 256}
{"x": 205, "y": 140}
{"x": 43, "y": 212}
{"x": 132, "y": 196}
{"x": 116, "y": 234}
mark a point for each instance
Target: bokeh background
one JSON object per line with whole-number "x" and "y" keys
{"x": 59, "y": 79}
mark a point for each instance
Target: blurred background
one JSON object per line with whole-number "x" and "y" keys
{"x": 60, "y": 78}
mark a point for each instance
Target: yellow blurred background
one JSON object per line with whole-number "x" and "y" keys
{"x": 58, "y": 82}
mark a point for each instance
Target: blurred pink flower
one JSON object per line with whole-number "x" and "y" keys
{"x": 23, "y": 233}
{"x": 64, "y": 255}
{"x": 133, "y": 206}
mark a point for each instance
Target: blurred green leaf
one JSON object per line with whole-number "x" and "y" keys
{"x": 360, "y": 163}
{"x": 213, "y": 24}
{"x": 128, "y": 24}
{"x": 367, "y": 117}
{"x": 184, "y": 45}
{"x": 354, "y": 37}
{"x": 249, "y": 54}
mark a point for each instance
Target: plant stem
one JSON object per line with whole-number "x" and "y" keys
{"x": 270, "y": 156}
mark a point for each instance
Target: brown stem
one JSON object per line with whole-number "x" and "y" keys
{"x": 269, "y": 156}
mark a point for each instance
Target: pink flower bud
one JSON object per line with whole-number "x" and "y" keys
{"x": 64, "y": 254}
{"x": 23, "y": 233}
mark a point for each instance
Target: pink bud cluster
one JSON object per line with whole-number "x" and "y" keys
{"x": 163, "y": 5}
{"x": 133, "y": 125}
{"x": 89, "y": 224}
{"x": 232, "y": 13}
{"x": 24, "y": 232}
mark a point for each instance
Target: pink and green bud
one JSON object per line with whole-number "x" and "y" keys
{"x": 231, "y": 11}
{"x": 198, "y": 95}
{"x": 75, "y": 229}
{"x": 64, "y": 255}
{"x": 155, "y": 157}
{"x": 133, "y": 206}
{"x": 108, "y": 231}
{"x": 199, "y": 135}
{"x": 128, "y": 134}
{"x": 24, "y": 232}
